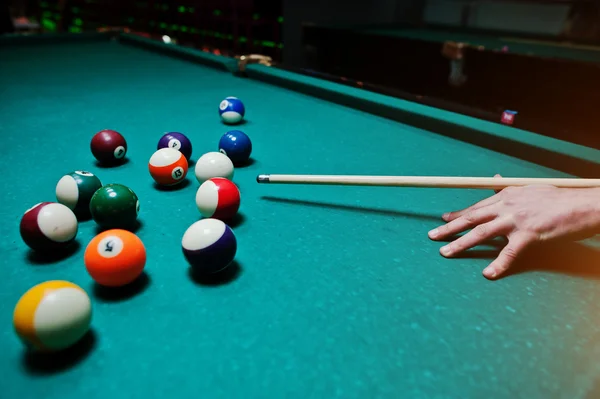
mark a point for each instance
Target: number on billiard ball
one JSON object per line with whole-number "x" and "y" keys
{"x": 177, "y": 141}
{"x": 108, "y": 146}
{"x": 232, "y": 110}
{"x": 168, "y": 166}
{"x": 115, "y": 258}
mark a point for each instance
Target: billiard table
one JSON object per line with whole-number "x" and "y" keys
{"x": 336, "y": 291}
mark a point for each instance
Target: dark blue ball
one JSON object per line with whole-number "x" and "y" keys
{"x": 237, "y": 146}
{"x": 209, "y": 246}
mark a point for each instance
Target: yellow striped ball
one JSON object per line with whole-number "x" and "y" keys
{"x": 52, "y": 316}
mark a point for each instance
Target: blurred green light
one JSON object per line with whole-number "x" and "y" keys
{"x": 255, "y": 16}
{"x": 191, "y": 9}
{"x": 78, "y": 21}
{"x": 49, "y": 24}
{"x": 280, "y": 20}
{"x": 43, "y": 4}
{"x": 75, "y": 10}
{"x": 163, "y": 25}
{"x": 243, "y": 39}
{"x": 130, "y": 20}
{"x": 217, "y": 12}
{"x": 165, "y": 7}
{"x": 152, "y": 23}
{"x": 268, "y": 44}
{"x": 175, "y": 27}
{"x": 280, "y": 45}
{"x": 181, "y": 9}
{"x": 184, "y": 29}
{"x": 75, "y": 29}
{"x": 47, "y": 14}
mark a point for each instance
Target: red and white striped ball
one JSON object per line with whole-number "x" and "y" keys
{"x": 218, "y": 198}
{"x": 168, "y": 167}
{"x": 48, "y": 225}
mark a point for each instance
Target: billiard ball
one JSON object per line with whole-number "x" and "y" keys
{"x": 52, "y": 316}
{"x": 115, "y": 206}
{"x": 218, "y": 198}
{"x": 209, "y": 246}
{"x": 48, "y": 226}
{"x": 115, "y": 258}
{"x": 177, "y": 141}
{"x": 75, "y": 190}
{"x": 168, "y": 166}
{"x": 231, "y": 110}
{"x": 213, "y": 164}
{"x": 108, "y": 146}
{"x": 237, "y": 146}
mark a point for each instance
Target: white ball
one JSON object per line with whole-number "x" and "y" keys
{"x": 213, "y": 164}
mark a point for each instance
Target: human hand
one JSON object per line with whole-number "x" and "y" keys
{"x": 525, "y": 216}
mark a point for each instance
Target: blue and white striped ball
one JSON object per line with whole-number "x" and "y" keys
{"x": 209, "y": 246}
{"x": 231, "y": 110}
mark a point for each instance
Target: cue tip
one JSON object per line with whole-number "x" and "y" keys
{"x": 263, "y": 178}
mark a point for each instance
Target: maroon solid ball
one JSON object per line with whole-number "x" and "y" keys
{"x": 108, "y": 146}
{"x": 48, "y": 226}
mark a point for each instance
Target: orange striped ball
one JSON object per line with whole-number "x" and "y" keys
{"x": 168, "y": 166}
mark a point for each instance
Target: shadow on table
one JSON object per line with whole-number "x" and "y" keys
{"x": 180, "y": 186}
{"x": 236, "y": 221}
{"x": 118, "y": 294}
{"x": 226, "y": 276}
{"x": 570, "y": 258}
{"x": 245, "y": 164}
{"x": 52, "y": 363}
{"x": 353, "y": 208}
{"x": 41, "y": 258}
{"x": 114, "y": 164}
{"x": 134, "y": 229}
{"x": 574, "y": 259}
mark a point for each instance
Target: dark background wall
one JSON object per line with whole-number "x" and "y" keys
{"x": 275, "y": 27}
{"x": 298, "y": 13}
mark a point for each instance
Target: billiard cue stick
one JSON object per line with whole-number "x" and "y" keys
{"x": 490, "y": 183}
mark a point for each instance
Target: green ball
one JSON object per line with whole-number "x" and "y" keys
{"x": 115, "y": 206}
{"x": 75, "y": 190}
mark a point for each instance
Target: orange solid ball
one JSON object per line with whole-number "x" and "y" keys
{"x": 115, "y": 258}
{"x": 168, "y": 166}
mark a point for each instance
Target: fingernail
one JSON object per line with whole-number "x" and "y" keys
{"x": 445, "y": 250}
{"x": 489, "y": 272}
{"x": 445, "y": 216}
{"x": 434, "y": 233}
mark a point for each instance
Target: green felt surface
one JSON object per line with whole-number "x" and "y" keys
{"x": 337, "y": 291}
{"x": 515, "y": 45}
